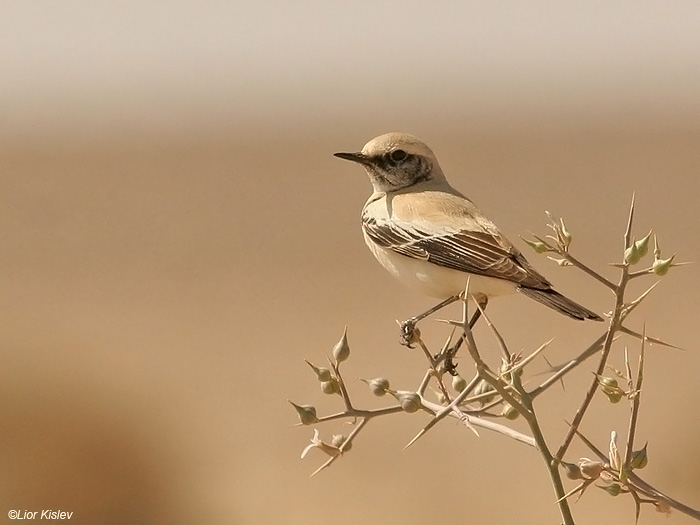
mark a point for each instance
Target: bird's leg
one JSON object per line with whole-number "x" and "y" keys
{"x": 450, "y": 353}
{"x": 482, "y": 301}
{"x": 408, "y": 326}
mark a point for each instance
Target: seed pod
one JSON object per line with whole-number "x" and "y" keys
{"x": 661, "y": 266}
{"x": 590, "y": 469}
{"x": 379, "y": 386}
{"x": 306, "y": 413}
{"x": 642, "y": 245}
{"x": 458, "y": 383}
{"x": 330, "y": 387}
{"x": 341, "y": 351}
{"x": 610, "y": 388}
{"x": 483, "y": 387}
{"x": 509, "y": 412}
{"x": 614, "y": 489}
{"x": 338, "y": 440}
{"x": 632, "y": 254}
{"x": 639, "y": 458}
{"x": 410, "y": 401}
{"x": 607, "y": 382}
{"x": 572, "y": 471}
{"x": 323, "y": 374}
{"x": 613, "y": 397}
{"x": 538, "y": 246}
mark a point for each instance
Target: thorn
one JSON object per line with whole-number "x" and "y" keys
{"x": 652, "y": 340}
{"x": 540, "y": 239}
{"x": 553, "y": 369}
{"x": 686, "y": 263}
{"x": 530, "y": 357}
{"x": 456, "y": 324}
{"x": 631, "y": 306}
{"x": 579, "y": 488}
{"x": 319, "y": 469}
{"x": 418, "y": 436}
{"x": 628, "y": 231}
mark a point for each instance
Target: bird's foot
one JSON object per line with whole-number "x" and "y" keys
{"x": 409, "y": 332}
{"x": 446, "y": 357}
{"x": 450, "y": 365}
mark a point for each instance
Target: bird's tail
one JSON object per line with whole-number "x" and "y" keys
{"x": 558, "y": 302}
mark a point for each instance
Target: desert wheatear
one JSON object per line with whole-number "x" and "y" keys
{"x": 432, "y": 238}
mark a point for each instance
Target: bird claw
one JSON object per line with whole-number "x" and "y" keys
{"x": 450, "y": 365}
{"x": 409, "y": 333}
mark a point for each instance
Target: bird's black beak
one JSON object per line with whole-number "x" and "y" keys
{"x": 358, "y": 157}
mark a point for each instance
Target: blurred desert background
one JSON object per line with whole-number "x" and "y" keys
{"x": 176, "y": 237}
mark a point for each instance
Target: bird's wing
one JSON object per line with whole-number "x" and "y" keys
{"x": 475, "y": 250}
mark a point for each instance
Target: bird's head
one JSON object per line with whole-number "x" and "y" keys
{"x": 395, "y": 161}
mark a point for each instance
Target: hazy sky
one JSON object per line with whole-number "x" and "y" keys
{"x": 104, "y": 67}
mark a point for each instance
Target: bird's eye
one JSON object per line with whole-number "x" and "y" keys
{"x": 398, "y": 155}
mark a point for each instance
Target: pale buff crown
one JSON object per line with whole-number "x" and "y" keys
{"x": 396, "y": 140}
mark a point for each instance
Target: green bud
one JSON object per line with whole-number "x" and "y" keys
{"x": 639, "y": 458}
{"x": 330, "y": 387}
{"x": 306, "y": 413}
{"x": 642, "y": 245}
{"x": 632, "y": 254}
{"x": 610, "y": 388}
{"x": 538, "y": 246}
{"x": 341, "y": 351}
{"x": 323, "y": 374}
{"x": 609, "y": 382}
{"x": 613, "y": 397}
{"x": 614, "y": 489}
{"x": 661, "y": 266}
{"x": 459, "y": 383}
{"x": 509, "y": 412}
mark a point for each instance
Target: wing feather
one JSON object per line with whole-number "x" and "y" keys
{"x": 477, "y": 252}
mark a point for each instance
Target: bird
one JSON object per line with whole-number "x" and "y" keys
{"x": 434, "y": 239}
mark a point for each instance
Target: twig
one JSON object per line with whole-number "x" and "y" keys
{"x": 644, "y": 486}
{"x": 347, "y": 442}
{"x": 506, "y": 385}
{"x": 635, "y": 401}
{"x": 607, "y": 344}
{"x": 528, "y": 413}
{"x": 568, "y": 367}
{"x": 487, "y": 425}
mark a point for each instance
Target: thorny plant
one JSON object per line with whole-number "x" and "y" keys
{"x": 500, "y": 393}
